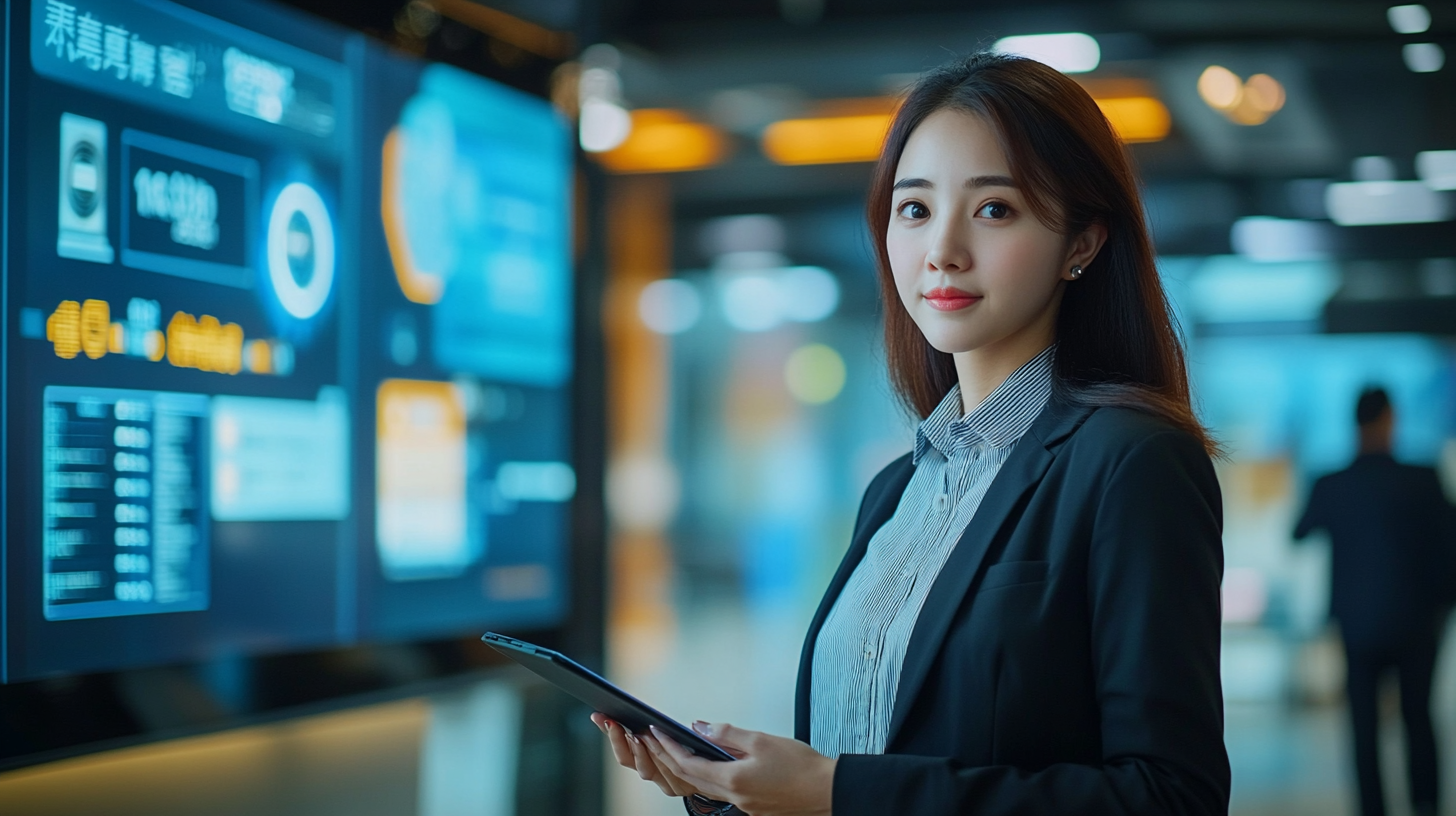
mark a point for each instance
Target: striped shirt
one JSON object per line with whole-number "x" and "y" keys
{"x": 861, "y": 647}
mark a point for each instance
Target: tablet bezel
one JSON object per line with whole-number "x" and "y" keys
{"x": 600, "y": 694}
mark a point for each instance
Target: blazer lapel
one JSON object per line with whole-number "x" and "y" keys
{"x": 1021, "y": 472}
{"x": 875, "y": 515}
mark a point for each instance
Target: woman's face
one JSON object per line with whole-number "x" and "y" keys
{"x": 973, "y": 266}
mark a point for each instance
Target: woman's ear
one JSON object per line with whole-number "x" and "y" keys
{"x": 1083, "y": 249}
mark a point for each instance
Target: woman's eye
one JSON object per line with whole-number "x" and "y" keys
{"x": 914, "y": 209}
{"x": 994, "y": 209}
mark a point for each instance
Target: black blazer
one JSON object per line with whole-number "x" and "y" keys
{"x": 1390, "y": 565}
{"x": 1066, "y": 660}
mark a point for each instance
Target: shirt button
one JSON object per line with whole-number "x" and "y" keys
{"x": 941, "y": 502}
{"x": 869, "y": 653}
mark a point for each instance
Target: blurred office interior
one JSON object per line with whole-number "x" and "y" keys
{"x": 729, "y": 399}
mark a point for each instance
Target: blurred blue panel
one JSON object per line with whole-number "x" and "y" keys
{"x": 1269, "y": 396}
{"x": 484, "y": 189}
{"x": 1231, "y": 289}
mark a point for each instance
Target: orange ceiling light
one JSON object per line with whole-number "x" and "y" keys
{"x": 1132, "y": 107}
{"x": 826, "y": 140}
{"x": 1136, "y": 118}
{"x": 666, "y": 141}
{"x": 838, "y": 131}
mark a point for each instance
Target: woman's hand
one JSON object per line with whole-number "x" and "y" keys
{"x": 774, "y": 776}
{"x": 631, "y": 751}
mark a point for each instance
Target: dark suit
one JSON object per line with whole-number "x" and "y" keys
{"x": 1067, "y": 658}
{"x": 1389, "y": 580}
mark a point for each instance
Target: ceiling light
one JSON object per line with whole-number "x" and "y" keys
{"x": 1070, "y": 53}
{"x": 1260, "y": 238}
{"x": 1358, "y": 203}
{"x": 1423, "y": 58}
{"x": 665, "y": 141}
{"x": 1136, "y": 118}
{"x": 826, "y": 140}
{"x": 1437, "y": 168}
{"x": 1409, "y": 19}
{"x": 604, "y": 125}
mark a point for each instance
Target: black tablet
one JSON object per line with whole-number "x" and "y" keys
{"x": 594, "y": 690}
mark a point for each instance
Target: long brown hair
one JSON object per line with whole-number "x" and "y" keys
{"x": 1117, "y": 341}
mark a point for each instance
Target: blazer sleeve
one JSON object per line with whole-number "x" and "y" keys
{"x": 1155, "y": 566}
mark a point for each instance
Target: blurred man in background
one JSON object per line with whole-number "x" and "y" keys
{"x": 1389, "y": 527}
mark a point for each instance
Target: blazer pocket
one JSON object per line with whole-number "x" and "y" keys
{"x": 1010, "y": 573}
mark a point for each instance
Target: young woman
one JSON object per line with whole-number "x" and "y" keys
{"x": 1027, "y": 619}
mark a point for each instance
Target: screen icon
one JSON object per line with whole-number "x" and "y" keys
{"x": 300, "y": 250}
{"x": 83, "y": 191}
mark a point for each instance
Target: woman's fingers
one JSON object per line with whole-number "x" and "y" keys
{"x": 631, "y": 751}
{"x": 617, "y": 738}
{"x": 729, "y": 737}
{"x": 647, "y": 769}
{"x": 694, "y": 770}
{"x": 676, "y": 784}
{"x": 721, "y": 735}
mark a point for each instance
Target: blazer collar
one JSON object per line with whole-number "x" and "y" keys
{"x": 1021, "y": 472}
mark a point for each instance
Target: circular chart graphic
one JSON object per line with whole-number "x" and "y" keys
{"x": 300, "y": 250}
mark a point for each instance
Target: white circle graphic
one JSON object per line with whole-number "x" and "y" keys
{"x": 284, "y": 242}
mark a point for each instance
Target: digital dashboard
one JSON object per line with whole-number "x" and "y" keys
{"x": 287, "y": 340}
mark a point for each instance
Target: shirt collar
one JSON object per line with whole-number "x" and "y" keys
{"x": 1000, "y": 420}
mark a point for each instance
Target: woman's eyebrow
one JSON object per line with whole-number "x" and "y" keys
{"x": 973, "y": 183}
{"x": 912, "y": 183}
{"x": 989, "y": 181}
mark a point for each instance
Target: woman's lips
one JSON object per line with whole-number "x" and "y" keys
{"x": 950, "y": 299}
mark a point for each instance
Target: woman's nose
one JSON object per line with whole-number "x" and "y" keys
{"x": 948, "y": 251}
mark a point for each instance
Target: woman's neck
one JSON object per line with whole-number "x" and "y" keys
{"x": 982, "y": 370}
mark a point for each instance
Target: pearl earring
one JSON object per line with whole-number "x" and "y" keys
{"x": 1076, "y": 272}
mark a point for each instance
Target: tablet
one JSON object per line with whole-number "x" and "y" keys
{"x": 594, "y": 690}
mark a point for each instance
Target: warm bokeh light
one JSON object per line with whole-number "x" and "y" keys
{"x": 827, "y": 139}
{"x": 1137, "y": 118}
{"x": 1249, "y": 102}
{"x": 666, "y": 141}
{"x": 1220, "y": 88}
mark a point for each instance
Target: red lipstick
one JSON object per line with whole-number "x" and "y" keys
{"x": 950, "y": 299}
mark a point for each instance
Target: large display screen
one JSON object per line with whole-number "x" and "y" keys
{"x": 286, "y": 332}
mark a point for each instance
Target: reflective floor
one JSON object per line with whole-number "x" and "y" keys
{"x": 717, "y": 661}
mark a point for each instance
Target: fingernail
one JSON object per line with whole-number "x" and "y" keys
{"x": 703, "y": 728}
{"x": 633, "y": 738}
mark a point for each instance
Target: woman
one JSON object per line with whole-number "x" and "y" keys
{"x": 1027, "y": 619}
